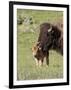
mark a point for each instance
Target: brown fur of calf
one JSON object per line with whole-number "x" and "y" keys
{"x": 39, "y": 55}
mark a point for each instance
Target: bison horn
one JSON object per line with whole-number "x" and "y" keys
{"x": 50, "y": 29}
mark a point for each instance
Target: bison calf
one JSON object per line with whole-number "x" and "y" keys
{"x": 39, "y": 55}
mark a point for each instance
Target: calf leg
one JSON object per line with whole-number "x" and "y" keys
{"x": 36, "y": 61}
{"x": 41, "y": 62}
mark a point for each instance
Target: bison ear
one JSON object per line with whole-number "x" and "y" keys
{"x": 50, "y": 29}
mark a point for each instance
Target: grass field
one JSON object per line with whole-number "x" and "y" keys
{"x": 26, "y": 68}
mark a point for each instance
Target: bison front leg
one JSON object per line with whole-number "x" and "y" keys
{"x": 47, "y": 58}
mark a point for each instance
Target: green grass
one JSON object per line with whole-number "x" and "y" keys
{"x": 26, "y": 68}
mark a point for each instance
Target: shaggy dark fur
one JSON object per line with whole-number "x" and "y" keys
{"x": 52, "y": 39}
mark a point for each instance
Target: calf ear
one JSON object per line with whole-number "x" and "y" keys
{"x": 39, "y": 48}
{"x": 37, "y": 43}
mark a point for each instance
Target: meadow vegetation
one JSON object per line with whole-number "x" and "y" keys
{"x": 28, "y": 22}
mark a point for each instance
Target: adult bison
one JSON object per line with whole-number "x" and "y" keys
{"x": 50, "y": 37}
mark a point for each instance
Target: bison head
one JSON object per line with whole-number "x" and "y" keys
{"x": 53, "y": 36}
{"x": 49, "y": 35}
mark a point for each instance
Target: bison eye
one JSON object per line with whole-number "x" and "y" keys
{"x": 48, "y": 34}
{"x": 52, "y": 32}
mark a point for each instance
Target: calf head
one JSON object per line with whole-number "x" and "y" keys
{"x": 36, "y": 49}
{"x": 38, "y": 54}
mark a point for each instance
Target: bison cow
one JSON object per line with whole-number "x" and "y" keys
{"x": 50, "y": 37}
